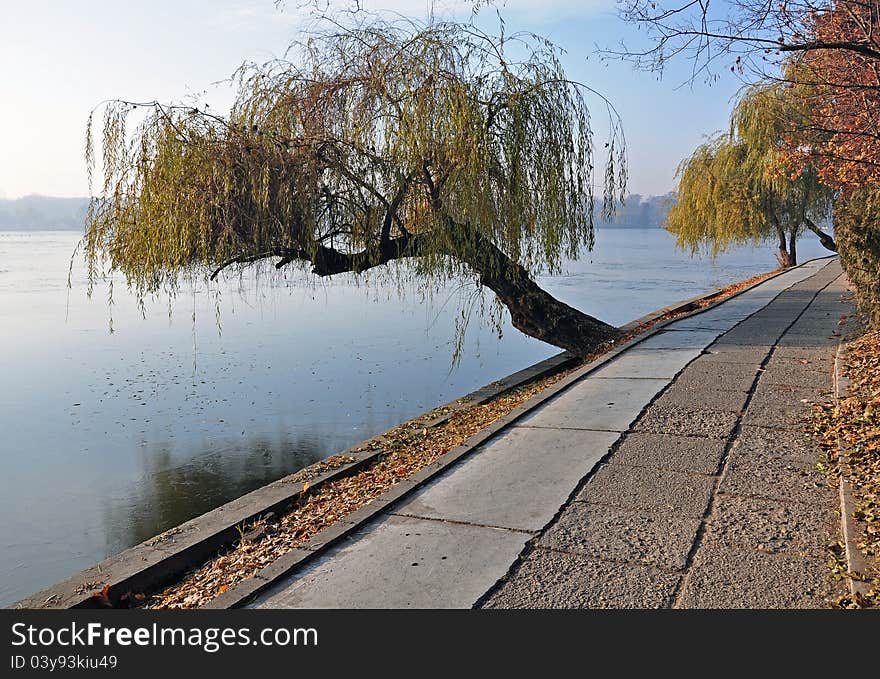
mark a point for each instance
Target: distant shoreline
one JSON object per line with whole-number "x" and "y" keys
{"x": 70, "y": 229}
{"x": 47, "y": 213}
{"x": 33, "y": 229}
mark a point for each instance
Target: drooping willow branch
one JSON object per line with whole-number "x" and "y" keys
{"x": 428, "y": 145}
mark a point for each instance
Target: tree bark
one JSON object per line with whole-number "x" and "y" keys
{"x": 825, "y": 239}
{"x": 783, "y": 256}
{"x": 792, "y": 247}
{"x": 533, "y": 311}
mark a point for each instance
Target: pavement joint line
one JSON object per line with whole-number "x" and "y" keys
{"x": 642, "y": 510}
{"x": 856, "y": 564}
{"x": 456, "y": 522}
{"x": 630, "y": 377}
{"x": 764, "y": 426}
{"x": 725, "y": 458}
{"x": 755, "y": 496}
{"x": 781, "y": 427}
{"x": 682, "y": 434}
{"x": 688, "y": 472}
{"x": 605, "y": 559}
{"x": 539, "y": 426}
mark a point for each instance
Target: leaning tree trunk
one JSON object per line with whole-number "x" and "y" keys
{"x": 533, "y": 311}
{"x": 825, "y": 239}
{"x": 783, "y": 255}
{"x": 538, "y": 314}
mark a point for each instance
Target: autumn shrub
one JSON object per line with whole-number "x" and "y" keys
{"x": 857, "y": 229}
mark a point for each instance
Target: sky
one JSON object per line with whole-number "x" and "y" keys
{"x": 59, "y": 59}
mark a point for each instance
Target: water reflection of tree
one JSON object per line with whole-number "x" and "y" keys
{"x": 169, "y": 494}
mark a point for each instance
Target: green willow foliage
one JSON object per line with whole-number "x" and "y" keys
{"x": 365, "y": 145}
{"x": 737, "y": 188}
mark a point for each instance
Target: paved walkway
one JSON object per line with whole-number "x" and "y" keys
{"x": 676, "y": 475}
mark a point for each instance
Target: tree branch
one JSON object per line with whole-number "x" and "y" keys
{"x": 327, "y": 261}
{"x": 825, "y": 239}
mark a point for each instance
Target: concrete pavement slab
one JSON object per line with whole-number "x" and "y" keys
{"x": 750, "y": 473}
{"x": 672, "y": 419}
{"x": 820, "y": 360}
{"x": 771, "y": 526}
{"x": 647, "y": 363}
{"x": 598, "y": 404}
{"x": 721, "y": 314}
{"x": 780, "y": 405}
{"x": 758, "y": 337}
{"x": 809, "y": 340}
{"x": 804, "y": 352}
{"x": 795, "y": 374}
{"x": 680, "y": 339}
{"x": 707, "y": 371}
{"x": 684, "y": 396}
{"x": 705, "y": 322}
{"x": 679, "y": 453}
{"x": 401, "y": 562}
{"x": 817, "y": 320}
{"x": 734, "y": 353}
{"x": 823, "y": 331}
{"x": 792, "y": 444}
{"x": 547, "y": 579}
{"x": 518, "y": 480}
{"x": 623, "y": 535}
{"x": 746, "y": 578}
{"x": 660, "y": 491}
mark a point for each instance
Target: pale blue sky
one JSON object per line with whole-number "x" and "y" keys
{"x": 60, "y": 58}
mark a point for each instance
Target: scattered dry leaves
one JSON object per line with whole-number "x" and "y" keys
{"x": 855, "y": 421}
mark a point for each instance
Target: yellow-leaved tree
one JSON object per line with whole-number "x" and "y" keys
{"x": 738, "y": 187}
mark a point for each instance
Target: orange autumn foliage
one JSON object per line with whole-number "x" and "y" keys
{"x": 841, "y": 79}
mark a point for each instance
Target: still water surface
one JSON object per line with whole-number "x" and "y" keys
{"x": 108, "y": 439}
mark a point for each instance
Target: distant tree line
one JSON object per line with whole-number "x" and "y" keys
{"x": 639, "y": 212}
{"x": 43, "y": 213}
{"x": 47, "y": 213}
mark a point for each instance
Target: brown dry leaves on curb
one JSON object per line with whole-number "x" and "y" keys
{"x": 855, "y": 421}
{"x": 406, "y": 450}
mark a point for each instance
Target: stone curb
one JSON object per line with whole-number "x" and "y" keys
{"x": 856, "y": 564}
{"x": 159, "y": 560}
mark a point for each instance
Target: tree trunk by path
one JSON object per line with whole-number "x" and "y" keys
{"x": 533, "y": 310}
{"x": 783, "y": 256}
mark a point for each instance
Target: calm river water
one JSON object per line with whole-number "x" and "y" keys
{"x": 108, "y": 439}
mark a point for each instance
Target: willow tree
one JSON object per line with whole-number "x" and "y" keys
{"x": 738, "y": 187}
{"x": 435, "y": 150}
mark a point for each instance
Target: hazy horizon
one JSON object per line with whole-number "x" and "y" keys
{"x": 36, "y": 212}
